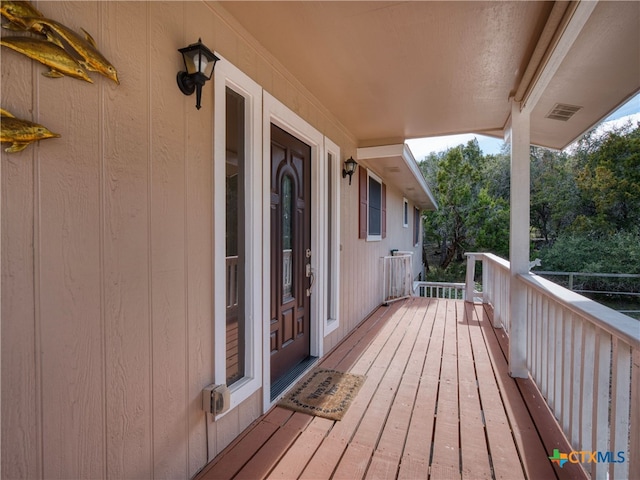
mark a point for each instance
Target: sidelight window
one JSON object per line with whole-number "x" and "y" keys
{"x": 235, "y": 235}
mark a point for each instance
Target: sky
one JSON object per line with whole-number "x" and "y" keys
{"x": 422, "y": 147}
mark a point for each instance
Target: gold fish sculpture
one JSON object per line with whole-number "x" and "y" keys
{"x": 15, "y": 12}
{"x": 54, "y": 57}
{"x": 20, "y": 133}
{"x": 85, "y": 48}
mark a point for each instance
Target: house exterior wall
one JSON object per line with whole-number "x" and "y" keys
{"x": 107, "y": 249}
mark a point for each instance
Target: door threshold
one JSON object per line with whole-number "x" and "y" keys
{"x": 288, "y": 379}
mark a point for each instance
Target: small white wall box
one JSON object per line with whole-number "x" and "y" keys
{"x": 215, "y": 399}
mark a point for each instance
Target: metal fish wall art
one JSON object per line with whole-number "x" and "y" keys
{"x": 15, "y": 12}
{"x": 85, "y": 48}
{"x": 24, "y": 16}
{"x": 21, "y": 133}
{"x": 54, "y": 57}
{"x": 56, "y": 52}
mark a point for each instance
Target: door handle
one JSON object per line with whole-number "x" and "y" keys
{"x": 311, "y": 275}
{"x": 309, "y": 272}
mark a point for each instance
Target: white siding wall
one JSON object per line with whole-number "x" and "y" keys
{"x": 107, "y": 237}
{"x": 361, "y": 264}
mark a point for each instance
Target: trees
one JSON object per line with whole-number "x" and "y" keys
{"x": 469, "y": 216}
{"x": 589, "y": 196}
{"x": 609, "y": 183}
{"x": 554, "y": 195}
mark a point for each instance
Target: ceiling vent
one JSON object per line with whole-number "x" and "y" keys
{"x": 562, "y": 111}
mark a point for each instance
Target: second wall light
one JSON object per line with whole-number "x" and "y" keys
{"x": 349, "y": 167}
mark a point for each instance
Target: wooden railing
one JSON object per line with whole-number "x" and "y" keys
{"x": 439, "y": 290}
{"x": 620, "y": 293}
{"x": 496, "y": 287}
{"x": 584, "y": 358}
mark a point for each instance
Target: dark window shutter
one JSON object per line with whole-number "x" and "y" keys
{"x": 362, "y": 220}
{"x": 383, "y": 208}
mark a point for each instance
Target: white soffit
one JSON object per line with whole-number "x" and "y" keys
{"x": 392, "y": 70}
{"x": 396, "y": 166}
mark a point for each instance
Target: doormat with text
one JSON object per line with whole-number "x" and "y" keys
{"x": 325, "y": 393}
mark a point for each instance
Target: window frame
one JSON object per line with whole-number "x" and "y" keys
{"x": 417, "y": 223}
{"x": 227, "y": 75}
{"x": 332, "y": 279}
{"x": 405, "y": 213}
{"x": 374, "y": 237}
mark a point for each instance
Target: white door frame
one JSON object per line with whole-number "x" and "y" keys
{"x": 275, "y": 112}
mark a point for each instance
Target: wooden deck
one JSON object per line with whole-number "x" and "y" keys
{"x": 437, "y": 403}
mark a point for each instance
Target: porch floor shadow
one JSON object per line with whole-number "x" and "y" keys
{"x": 438, "y": 402}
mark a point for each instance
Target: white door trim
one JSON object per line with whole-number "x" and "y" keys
{"x": 277, "y": 113}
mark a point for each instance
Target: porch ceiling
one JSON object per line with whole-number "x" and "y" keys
{"x": 390, "y": 71}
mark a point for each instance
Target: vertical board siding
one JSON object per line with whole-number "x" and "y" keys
{"x": 126, "y": 186}
{"x": 20, "y": 391}
{"x": 107, "y": 249}
{"x": 199, "y": 246}
{"x": 72, "y": 356}
{"x": 168, "y": 269}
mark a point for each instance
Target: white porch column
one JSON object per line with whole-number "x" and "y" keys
{"x": 519, "y": 238}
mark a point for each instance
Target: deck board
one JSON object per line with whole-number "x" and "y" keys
{"x": 504, "y": 454}
{"x": 446, "y": 452}
{"x": 437, "y": 403}
{"x": 417, "y": 451}
{"x": 385, "y": 462}
{"x": 474, "y": 454}
{"x": 356, "y": 458}
{"x": 371, "y": 363}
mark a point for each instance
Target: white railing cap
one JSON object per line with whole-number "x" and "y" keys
{"x": 616, "y": 323}
{"x": 490, "y": 256}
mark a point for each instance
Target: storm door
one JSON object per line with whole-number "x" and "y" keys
{"x": 291, "y": 277}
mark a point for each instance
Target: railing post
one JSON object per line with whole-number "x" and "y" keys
{"x": 519, "y": 238}
{"x": 471, "y": 273}
{"x": 486, "y": 287}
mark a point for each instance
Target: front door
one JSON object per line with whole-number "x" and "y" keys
{"x": 290, "y": 252}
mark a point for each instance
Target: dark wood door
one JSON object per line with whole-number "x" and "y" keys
{"x": 290, "y": 251}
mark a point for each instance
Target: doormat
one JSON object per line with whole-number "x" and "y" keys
{"x": 324, "y": 393}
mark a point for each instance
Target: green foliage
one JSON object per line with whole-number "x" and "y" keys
{"x": 584, "y": 252}
{"x": 456, "y": 178}
{"x": 554, "y": 196}
{"x": 469, "y": 217}
{"x": 455, "y": 273}
{"x": 488, "y": 224}
{"x": 609, "y": 183}
{"x": 585, "y": 205}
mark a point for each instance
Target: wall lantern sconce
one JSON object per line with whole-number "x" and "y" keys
{"x": 199, "y": 63}
{"x": 349, "y": 167}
